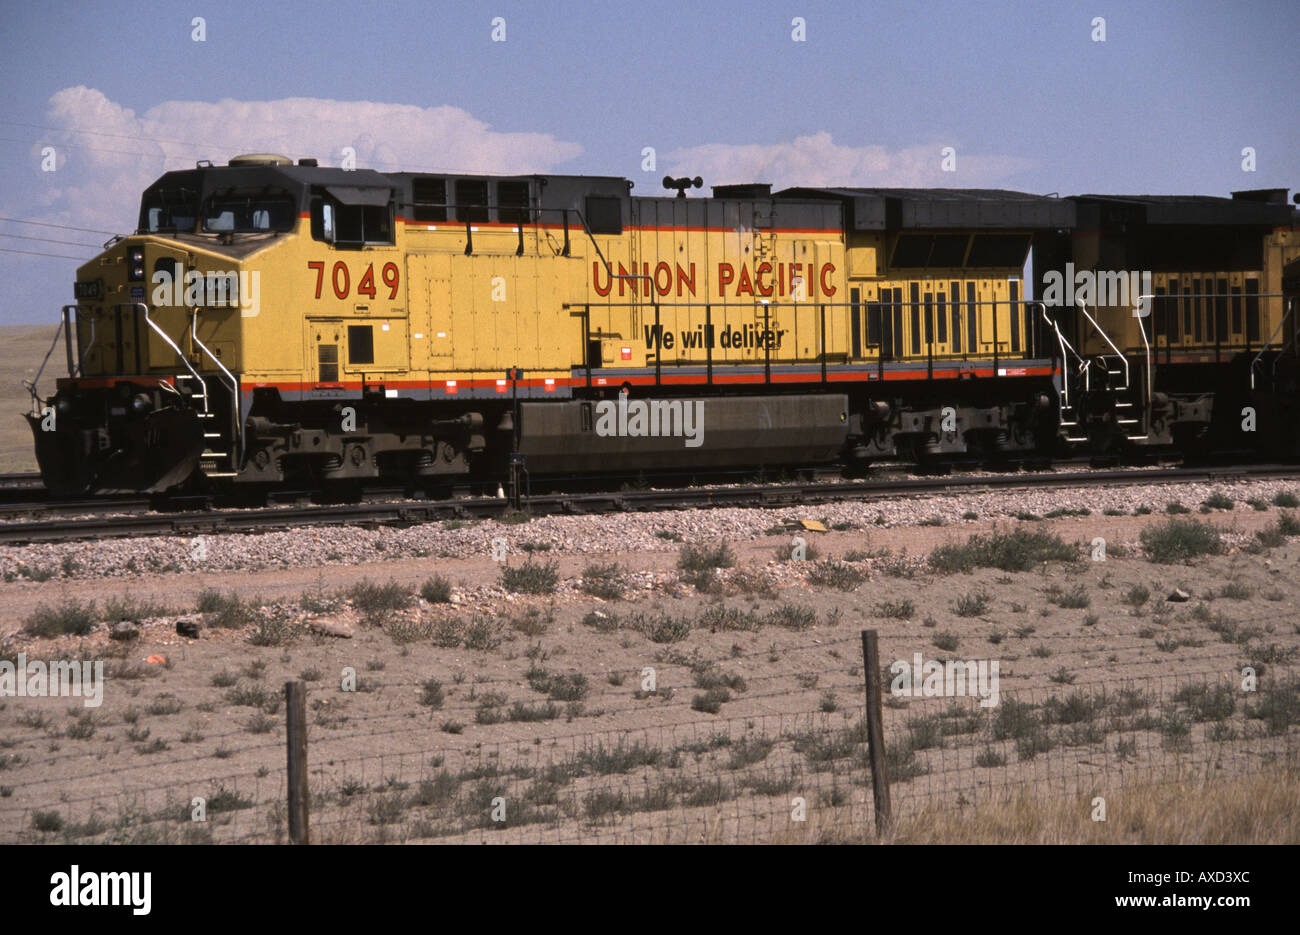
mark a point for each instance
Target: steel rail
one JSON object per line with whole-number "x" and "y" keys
{"x": 415, "y": 512}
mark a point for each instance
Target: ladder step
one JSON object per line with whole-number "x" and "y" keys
{"x": 220, "y": 473}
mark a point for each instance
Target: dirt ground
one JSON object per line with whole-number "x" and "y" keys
{"x": 555, "y": 704}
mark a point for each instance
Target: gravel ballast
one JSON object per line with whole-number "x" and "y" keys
{"x": 623, "y": 532}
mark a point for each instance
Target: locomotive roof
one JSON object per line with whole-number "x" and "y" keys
{"x": 1253, "y": 208}
{"x": 868, "y": 209}
{"x": 934, "y": 208}
{"x": 212, "y": 178}
{"x": 216, "y": 178}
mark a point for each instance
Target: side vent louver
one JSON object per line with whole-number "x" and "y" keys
{"x": 327, "y": 356}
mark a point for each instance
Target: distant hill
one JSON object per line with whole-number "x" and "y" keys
{"x": 22, "y": 347}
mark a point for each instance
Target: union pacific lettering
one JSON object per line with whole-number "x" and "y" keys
{"x": 768, "y": 280}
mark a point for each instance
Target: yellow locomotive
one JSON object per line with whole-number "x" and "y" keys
{"x": 1171, "y": 319}
{"x": 271, "y": 322}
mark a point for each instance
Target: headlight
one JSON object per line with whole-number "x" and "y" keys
{"x": 135, "y": 264}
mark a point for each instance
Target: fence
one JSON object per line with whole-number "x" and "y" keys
{"x": 789, "y": 770}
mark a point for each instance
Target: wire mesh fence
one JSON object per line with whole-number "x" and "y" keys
{"x": 953, "y": 740}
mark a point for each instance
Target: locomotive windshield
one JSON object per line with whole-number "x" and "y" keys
{"x": 169, "y": 210}
{"x": 248, "y": 212}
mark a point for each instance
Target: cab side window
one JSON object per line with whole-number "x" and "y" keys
{"x": 350, "y": 224}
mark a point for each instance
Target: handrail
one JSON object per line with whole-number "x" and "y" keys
{"x": 157, "y": 329}
{"x": 81, "y": 351}
{"x": 1290, "y": 342}
{"x": 1061, "y": 339}
{"x": 1146, "y": 344}
{"x": 1064, "y": 345}
{"x": 1083, "y": 308}
{"x": 586, "y": 229}
{"x": 235, "y": 426}
{"x": 535, "y": 216}
{"x": 1185, "y": 341}
{"x": 67, "y": 334}
{"x": 873, "y": 355}
{"x": 1280, "y": 325}
{"x": 791, "y": 303}
{"x": 1150, "y": 381}
{"x": 31, "y": 384}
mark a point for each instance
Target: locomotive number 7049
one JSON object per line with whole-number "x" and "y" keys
{"x": 341, "y": 280}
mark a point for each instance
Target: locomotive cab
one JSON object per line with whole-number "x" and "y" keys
{"x": 153, "y": 340}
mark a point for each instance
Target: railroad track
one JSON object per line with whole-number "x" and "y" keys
{"x": 414, "y": 512}
{"x": 32, "y": 507}
{"x": 21, "y": 482}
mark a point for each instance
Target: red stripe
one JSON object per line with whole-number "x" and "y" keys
{"x": 460, "y": 225}
{"x": 671, "y": 379}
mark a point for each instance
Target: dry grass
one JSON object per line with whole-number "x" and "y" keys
{"x": 25, "y": 345}
{"x": 1263, "y": 808}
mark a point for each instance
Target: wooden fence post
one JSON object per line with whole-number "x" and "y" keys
{"x": 295, "y": 715}
{"x": 876, "y": 730}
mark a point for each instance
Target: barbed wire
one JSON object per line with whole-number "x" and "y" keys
{"x": 664, "y": 702}
{"x": 736, "y": 776}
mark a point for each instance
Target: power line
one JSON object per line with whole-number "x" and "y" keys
{"x": 70, "y": 243}
{"x": 93, "y": 149}
{"x": 58, "y": 256}
{"x": 84, "y": 230}
{"x": 123, "y": 136}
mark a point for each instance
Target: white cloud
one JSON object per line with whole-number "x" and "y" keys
{"x": 107, "y": 154}
{"x": 817, "y": 160}
{"x": 112, "y": 153}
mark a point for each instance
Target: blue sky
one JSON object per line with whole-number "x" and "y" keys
{"x": 1020, "y": 90}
